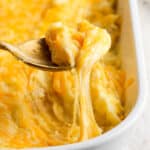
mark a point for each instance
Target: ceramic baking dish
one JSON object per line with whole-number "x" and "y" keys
{"x": 133, "y": 64}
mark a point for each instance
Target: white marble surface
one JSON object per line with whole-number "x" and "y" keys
{"x": 140, "y": 133}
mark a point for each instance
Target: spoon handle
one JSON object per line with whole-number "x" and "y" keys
{"x": 12, "y": 49}
{"x": 3, "y": 46}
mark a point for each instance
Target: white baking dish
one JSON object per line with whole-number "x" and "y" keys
{"x": 133, "y": 64}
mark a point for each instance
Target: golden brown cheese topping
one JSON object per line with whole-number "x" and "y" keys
{"x": 39, "y": 108}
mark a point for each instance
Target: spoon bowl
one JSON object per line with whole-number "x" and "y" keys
{"x": 34, "y": 53}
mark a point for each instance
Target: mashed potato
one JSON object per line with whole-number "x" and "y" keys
{"x": 40, "y": 108}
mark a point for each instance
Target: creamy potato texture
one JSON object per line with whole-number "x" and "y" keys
{"x": 40, "y": 108}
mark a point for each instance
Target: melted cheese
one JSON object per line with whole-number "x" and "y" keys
{"x": 96, "y": 43}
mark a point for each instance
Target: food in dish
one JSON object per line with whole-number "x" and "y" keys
{"x": 40, "y": 108}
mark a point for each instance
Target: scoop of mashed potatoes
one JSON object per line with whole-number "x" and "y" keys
{"x": 64, "y": 43}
